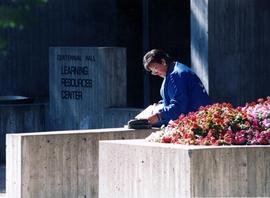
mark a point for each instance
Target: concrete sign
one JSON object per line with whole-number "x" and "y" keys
{"x": 84, "y": 81}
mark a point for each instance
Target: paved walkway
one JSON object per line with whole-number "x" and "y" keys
{"x": 2, "y": 181}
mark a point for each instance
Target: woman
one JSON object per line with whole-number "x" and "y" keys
{"x": 182, "y": 91}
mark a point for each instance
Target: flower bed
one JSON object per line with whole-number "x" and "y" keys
{"x": 220, "y": 124}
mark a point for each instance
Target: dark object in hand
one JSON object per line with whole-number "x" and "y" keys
{"x": 139, "y": 124}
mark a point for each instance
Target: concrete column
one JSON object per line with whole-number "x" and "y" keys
{"x": 199, "y": 40}
{"x": 230, "y": 48}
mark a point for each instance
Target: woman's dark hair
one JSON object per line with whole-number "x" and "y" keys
{"x": 155, "y": 56}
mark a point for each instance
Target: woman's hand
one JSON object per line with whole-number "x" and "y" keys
{"x": 153, "y": 119}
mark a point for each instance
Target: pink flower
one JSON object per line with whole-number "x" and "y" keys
{"x": 262, "y": 141}
{"x": 260, "y": 100}
{"x": 240, "y": 140}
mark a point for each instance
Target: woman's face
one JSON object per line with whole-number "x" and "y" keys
{"x": 159, "y": 69}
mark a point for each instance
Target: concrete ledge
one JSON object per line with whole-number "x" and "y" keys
{"x": 58, "y": 164}
{"x": 136, "y": 168}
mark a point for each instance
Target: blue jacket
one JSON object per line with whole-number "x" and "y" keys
{"x": 182, "y": 91}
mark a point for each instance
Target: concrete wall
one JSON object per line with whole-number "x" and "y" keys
{"x": 230, "y": 48}
{"x": 119, "y": 117}
{"x": 58, "y": 164}
{"x": 139, "y": 169}
{"x": 20, "y": 118}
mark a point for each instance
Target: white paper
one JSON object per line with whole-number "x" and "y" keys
{"x": 150, "y": 110}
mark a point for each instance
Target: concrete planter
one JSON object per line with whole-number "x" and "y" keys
{"x": 136, "y": 168}
{"x": 58, "y": 164}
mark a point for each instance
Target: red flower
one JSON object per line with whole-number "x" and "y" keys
{"x": 195, "y": 126}
{"x": 228, "y": 140}
{"x": 166, "y": 140}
